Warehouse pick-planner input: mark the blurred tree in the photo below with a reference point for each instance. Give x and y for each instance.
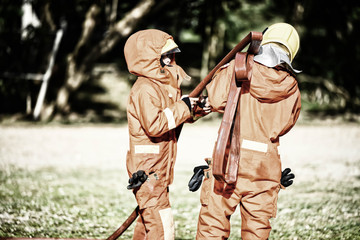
(329, 51)
(81, 60)
(90, 35)
(205, 30)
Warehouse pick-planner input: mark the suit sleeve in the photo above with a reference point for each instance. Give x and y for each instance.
(154, 118)
(281, 116)
(294, 103)
(219, 87)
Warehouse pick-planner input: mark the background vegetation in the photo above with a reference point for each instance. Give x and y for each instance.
(90, 82)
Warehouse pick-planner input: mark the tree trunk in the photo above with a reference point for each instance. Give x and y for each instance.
(213, 36)
(78, 73)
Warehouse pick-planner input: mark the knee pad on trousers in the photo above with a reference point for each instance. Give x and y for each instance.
(168, 223)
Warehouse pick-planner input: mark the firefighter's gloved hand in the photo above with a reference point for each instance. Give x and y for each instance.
(202, 107)
(286, 177)
(137, 179)
(196, 179)
(190, 101)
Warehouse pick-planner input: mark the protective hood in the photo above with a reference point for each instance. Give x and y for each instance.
(272, 56)
(143, 52)
(270, 85)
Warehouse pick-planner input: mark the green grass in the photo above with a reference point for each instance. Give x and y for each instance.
(88, 204)
(319, 210)
(52, 203)
(70, 182)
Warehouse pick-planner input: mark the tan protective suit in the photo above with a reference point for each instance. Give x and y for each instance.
(269, 107)
(154, 111)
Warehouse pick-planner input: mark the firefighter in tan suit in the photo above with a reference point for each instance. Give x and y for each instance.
(269, 107)
(155, 109)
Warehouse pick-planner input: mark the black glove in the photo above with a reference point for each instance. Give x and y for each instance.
(137, 179)
(202, 101)
(286, 177)
(196, 179)
(187, 101)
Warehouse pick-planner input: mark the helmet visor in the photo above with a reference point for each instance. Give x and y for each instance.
(170, 47)
(175, 50)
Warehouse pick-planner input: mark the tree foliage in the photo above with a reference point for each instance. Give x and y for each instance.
(205, 30)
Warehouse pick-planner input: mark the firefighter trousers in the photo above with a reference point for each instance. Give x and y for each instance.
(155, 219)
(257, 202)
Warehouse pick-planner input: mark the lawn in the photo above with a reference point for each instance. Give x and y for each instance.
(70, 182)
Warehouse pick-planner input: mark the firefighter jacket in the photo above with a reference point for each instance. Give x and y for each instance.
(154, 109)
(269, 107)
